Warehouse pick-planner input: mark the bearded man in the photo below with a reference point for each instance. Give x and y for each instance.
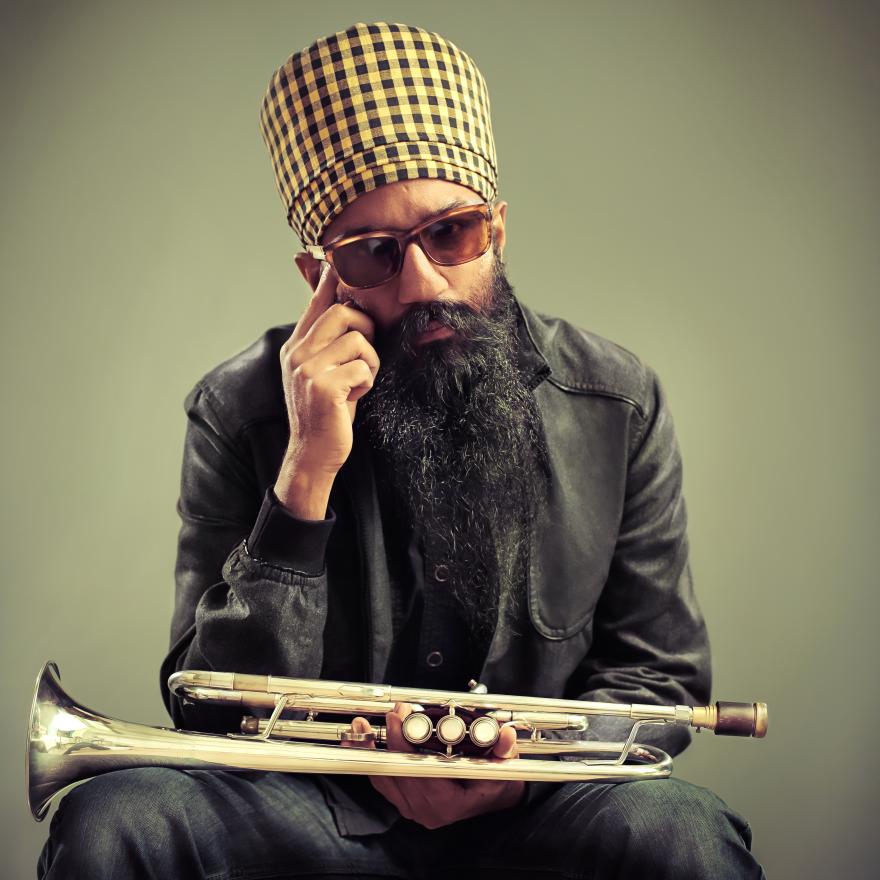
(421, 482)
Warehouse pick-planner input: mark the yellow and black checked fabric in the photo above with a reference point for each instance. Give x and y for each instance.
(368, 106)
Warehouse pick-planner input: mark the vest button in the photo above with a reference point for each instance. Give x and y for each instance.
(435, 658)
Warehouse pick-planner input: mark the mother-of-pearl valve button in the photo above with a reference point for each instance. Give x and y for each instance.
(451, 729)
(417, 728)
(484, 732)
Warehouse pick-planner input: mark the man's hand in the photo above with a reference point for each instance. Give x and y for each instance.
(434, 803)
(327, 365)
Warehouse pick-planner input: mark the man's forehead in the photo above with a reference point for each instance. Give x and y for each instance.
(399, 206)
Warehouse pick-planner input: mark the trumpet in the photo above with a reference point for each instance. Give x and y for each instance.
(455, 732)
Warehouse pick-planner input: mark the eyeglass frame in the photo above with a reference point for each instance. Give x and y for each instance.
(404, 239)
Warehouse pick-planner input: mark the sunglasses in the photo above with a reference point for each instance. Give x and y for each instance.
(372, 258)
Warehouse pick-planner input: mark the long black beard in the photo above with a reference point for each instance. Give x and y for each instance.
(460, 433)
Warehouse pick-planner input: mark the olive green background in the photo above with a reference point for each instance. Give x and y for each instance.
(697, 181)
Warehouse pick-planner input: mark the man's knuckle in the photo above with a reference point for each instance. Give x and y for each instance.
(291, 357)
(301, 374)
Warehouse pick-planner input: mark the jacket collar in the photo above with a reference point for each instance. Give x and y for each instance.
(532, 363)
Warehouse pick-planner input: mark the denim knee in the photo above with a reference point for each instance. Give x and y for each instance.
(123, 824)
(671, 828)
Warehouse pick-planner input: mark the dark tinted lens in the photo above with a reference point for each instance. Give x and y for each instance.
(367, 261)
(457, 239)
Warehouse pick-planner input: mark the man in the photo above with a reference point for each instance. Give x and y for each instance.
(421, 482)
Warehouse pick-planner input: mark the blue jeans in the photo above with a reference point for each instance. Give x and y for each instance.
(158, 822)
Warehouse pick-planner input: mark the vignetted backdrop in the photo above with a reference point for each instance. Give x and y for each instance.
(697, 182)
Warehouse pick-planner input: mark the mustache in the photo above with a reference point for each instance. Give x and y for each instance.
(460, 317)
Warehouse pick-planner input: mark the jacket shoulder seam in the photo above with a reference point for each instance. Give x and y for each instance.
(597, 389)
(214, 406)
(579, 381)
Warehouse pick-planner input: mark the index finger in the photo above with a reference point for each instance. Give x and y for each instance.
(322, 298)
(394, 728)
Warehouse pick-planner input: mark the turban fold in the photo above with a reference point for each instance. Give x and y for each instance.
(371, 105)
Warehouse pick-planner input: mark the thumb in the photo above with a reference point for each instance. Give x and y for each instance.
(506, 747)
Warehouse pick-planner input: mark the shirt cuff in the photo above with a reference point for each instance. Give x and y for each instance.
(281, 539)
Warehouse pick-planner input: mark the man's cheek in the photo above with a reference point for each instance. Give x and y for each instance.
(349, 296)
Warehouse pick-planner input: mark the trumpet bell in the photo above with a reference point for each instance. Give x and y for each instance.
(67, 743)
(53, 716)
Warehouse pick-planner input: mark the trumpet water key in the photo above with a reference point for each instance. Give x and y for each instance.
(68, 742)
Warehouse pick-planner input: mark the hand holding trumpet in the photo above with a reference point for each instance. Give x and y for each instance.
(434, 803)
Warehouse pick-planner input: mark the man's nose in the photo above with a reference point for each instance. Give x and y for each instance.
(420, 279)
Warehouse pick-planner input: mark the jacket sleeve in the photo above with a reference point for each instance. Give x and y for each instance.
(649, 638)
(251, 586)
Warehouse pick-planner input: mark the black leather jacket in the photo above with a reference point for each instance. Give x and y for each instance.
(611, 614)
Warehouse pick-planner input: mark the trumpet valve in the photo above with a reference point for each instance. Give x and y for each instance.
(417, 728)
(484, 732)
(451, 729)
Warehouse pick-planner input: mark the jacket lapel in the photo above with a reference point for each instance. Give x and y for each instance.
(360, 481)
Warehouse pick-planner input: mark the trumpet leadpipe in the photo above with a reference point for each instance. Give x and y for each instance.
(264, 691)
(725, 718)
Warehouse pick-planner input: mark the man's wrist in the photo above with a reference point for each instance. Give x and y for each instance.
(302, 494)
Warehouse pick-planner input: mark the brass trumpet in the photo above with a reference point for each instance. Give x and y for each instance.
(68, 742)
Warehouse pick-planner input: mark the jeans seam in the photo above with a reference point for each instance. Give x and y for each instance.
(270, 871)
(514, 869)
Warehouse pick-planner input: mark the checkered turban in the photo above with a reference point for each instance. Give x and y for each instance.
(368, 106)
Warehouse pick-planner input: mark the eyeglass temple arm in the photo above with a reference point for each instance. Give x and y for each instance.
(316, 251)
